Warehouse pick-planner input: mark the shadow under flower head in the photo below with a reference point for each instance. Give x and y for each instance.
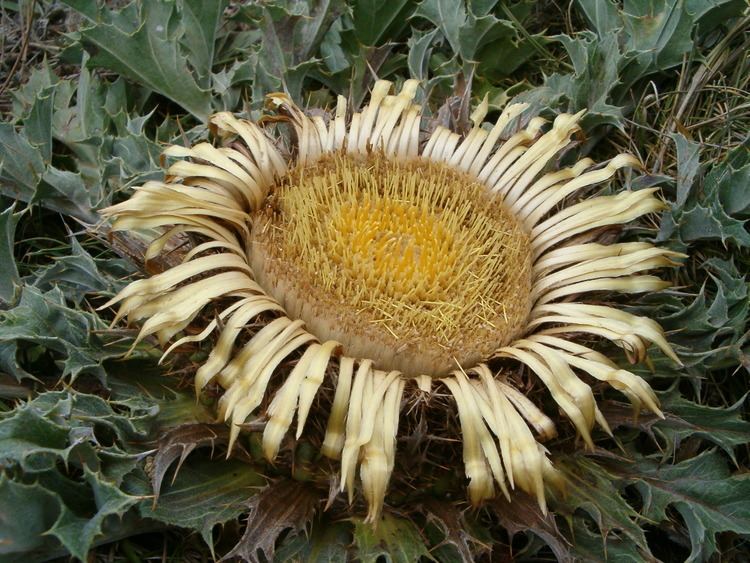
(384, 256)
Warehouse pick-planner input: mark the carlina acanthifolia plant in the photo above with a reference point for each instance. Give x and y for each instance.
(405, 262)
(384, 281)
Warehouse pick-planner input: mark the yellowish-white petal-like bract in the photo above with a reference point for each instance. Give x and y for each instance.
(378, 259)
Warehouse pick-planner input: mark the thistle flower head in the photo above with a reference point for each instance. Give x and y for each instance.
(388, 259)
(411, 264)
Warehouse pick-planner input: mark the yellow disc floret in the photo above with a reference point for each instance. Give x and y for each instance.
(402, 249)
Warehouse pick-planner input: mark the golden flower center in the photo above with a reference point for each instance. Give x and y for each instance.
(403, 250)
(411, 264)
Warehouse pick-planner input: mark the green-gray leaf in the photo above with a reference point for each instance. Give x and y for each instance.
(200, 20)
(9, 279)
(684, 419)
(326, 543)
(602, 15)
(591, 488)
(375, 19)
(44, 318)
(702, 490)
(149, 54)
(395, 539)
(76, 533)
(204, 493)
(21, 165)
(26, 513)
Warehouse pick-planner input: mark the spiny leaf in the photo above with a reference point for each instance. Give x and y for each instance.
(684, 419)
(710, 14)
(596, 64)
(78, 274)
(397, 540)
(688, 166)
(55, 420)
(32, 441)
(227, 81)
(27, 170)
(205, 492)
(446, 15)
(40, 78)
(9, 363)
(291, 38)
(420, 49)
(83, 432)
(602, 15)
(656, 36)
(731, 180)
(591, 488)
(77, 533)
(375, 19)
(454, 529)
(659, 35)
(132, 155)
(36, 525)
(332, 48)
(468, 32)
(65, 191)
(630, 44)
(200, 22)
(708, 331)
(146, 51)
(82, 118)
(308, 28)
(141, 380)
(706, 206)
(127, 421)
(21, 165)
(90, 118)
(283, 505)
(39, 122)
(592, 547)
(9, 279)
(43, 318)
(710, 221)
(523, 515)
(26, 513)
(179, 443)
(708, 497)
(326, 542)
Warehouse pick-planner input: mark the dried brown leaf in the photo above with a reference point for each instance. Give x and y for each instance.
(449, 519)
(180, 443)
(281, 506)
(455, 112)
(133, 247)
(523, 514)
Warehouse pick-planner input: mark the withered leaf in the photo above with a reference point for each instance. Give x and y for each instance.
(180, 443)
(523, 514)
(449, 519)
(281, 506)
